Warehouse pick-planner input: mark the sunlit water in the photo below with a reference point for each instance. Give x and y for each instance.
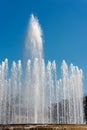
(35, 94)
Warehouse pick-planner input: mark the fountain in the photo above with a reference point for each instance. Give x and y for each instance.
(35, 95)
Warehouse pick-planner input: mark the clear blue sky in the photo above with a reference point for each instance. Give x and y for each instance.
(64, 24)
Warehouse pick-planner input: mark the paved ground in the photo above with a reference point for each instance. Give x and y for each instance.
(43, 127)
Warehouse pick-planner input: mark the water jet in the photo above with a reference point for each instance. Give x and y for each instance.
(35, 94)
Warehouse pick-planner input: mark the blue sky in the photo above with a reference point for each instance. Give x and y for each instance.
(64, 25)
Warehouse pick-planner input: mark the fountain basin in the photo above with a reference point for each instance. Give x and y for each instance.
(43, 127)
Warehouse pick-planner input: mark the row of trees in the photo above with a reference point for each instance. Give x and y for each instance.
(85, 107)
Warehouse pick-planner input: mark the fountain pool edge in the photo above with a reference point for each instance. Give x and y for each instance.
(44, 127)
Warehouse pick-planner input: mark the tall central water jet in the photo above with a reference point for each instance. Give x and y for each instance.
(36, 95)
(34, 49)
(34, 43)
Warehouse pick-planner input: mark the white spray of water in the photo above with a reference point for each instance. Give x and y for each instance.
(37, 96)
(33, 44)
